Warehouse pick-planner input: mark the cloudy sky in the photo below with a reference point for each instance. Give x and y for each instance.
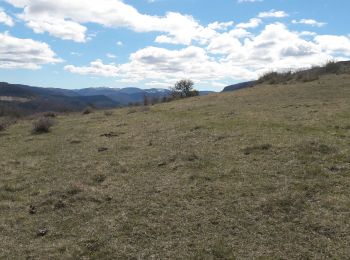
(154, 43)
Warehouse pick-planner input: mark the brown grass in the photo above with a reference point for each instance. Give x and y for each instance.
(177, 183)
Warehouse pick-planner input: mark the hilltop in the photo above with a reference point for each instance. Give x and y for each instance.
(261, 172)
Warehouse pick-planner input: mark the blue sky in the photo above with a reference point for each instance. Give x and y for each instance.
(145, 43)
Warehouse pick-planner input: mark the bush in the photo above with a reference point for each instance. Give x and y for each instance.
(49, 114)
(275, 77)
(332, 67)
(3, 126)
(145, 100)
(88, 110)
(43, 125)
(6, 122)
(108, 113)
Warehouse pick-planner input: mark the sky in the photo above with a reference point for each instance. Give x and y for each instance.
(154, 43)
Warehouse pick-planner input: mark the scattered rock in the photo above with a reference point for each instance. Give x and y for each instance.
(99, 178)
(102, 149)
(111, 134)
(161, 164)
(196, 128)
(192, 157)
(42, 232)
(32, 210)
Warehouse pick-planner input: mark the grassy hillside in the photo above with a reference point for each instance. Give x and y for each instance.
(261, 172)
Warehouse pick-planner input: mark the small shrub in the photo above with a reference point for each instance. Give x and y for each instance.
(275, 77)
(145, 100)
(43, 125)
(5, 122)
(332, 67)
(269, 77)
(88, 110)
(3, 126)
(132, 110)
(108, 113)
(50, 114)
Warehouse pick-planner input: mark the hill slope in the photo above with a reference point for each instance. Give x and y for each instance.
(260, 172)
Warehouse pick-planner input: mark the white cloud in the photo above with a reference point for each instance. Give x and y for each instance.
(309, 22)
(273, 14)
(253, 23)
(74, 53)
(220, 26)
(96, 68)
(243, 56)
(216, 53)
(111, 56)
(333, 44)
(24, 53)
(64, 19)
(5, 18)
(306, 33)
(61, 28)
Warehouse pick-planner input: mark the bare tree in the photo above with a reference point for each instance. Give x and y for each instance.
(184, 88)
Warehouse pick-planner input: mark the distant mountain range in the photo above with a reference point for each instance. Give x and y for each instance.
(238, 86)
(29, 99)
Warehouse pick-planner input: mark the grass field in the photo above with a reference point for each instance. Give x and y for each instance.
(258, 173)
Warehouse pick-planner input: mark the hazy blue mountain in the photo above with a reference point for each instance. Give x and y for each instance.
(234, 87)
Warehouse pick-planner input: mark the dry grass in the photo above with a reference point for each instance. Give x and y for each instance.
(257, 173)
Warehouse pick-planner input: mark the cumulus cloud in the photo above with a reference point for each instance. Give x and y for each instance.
(163, 67)
(220, 26)
(333, 44)
(61, 28)
(216, 53)
(5, 18)
(244, 56)
(254, 22)
(24, 53)
(64, 19)
(96, 68)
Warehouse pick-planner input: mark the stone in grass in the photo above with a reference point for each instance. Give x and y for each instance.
(102, 149)
(32, 210)
(42, 232)
(161, 164)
